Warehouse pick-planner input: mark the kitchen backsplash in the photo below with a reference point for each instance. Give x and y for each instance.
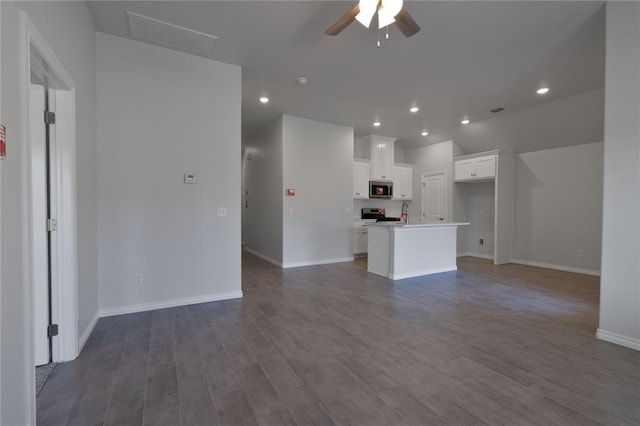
(393, 207)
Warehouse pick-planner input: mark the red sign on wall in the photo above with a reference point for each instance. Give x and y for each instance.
(291, 192)
(3, 142)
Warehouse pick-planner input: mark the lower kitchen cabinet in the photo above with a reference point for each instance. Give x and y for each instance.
(360, 241)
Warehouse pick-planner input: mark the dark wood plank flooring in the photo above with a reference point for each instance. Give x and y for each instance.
(333, 344)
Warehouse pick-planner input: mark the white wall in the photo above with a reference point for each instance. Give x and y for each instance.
(398, 153)
(558, 205)
(480, 199)
(68, 29)
(318, 163)
(620, 283)
(163, 114)
(262, 219)
(362, 148)
(460, 212)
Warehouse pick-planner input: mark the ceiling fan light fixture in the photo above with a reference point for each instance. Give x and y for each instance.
(368, 8)
(385, 18)
(388, 11)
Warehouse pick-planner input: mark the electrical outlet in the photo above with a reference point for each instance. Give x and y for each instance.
(580, 253)
(137, 279)
(481, 241)
(221, 211)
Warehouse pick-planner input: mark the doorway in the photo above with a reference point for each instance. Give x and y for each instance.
(50, 225)
(434, 197)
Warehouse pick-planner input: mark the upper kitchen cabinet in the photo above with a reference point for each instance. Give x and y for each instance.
(473, 167)
(402, 183)
(361, 172)
(381, 157)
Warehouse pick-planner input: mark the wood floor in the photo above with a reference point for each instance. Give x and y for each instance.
(332, 344)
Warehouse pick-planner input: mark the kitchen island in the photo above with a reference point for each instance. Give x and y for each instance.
(398, 251)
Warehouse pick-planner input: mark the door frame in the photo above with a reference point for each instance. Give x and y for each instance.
(1, 210)
(446, 194)
(64, 273)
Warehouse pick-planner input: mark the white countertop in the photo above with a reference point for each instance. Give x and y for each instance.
(418, 225)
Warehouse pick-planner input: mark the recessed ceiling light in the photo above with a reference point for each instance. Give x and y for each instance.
(264, 100)
(542, 90)
(376, 124)
(302, 80)
(414, 109)
(425, 133)
(465, 121)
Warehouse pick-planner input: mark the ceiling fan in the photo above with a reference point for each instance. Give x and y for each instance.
(389, 11)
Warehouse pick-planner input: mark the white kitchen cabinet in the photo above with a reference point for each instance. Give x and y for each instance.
(361, 172)
(382, 157)
(402, 183)
(360, 241)
(475, 168)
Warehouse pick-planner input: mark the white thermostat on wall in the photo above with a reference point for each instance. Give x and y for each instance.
(189, 178)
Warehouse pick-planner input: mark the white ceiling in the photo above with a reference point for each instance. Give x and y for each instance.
(469, 58)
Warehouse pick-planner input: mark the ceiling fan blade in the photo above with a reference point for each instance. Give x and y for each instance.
(343, 22)
(406, 24)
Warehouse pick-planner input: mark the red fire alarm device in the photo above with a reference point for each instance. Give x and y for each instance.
(291, 192)
(3, 142)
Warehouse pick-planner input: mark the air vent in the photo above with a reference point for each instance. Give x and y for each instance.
(497, 110)
(171, 36)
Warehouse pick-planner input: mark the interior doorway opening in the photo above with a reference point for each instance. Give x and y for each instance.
(50, 225)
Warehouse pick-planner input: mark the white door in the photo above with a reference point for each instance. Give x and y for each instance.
(434, 197)
(39, 202)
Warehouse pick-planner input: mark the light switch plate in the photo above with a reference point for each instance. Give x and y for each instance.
(189, 178)
(221, 211)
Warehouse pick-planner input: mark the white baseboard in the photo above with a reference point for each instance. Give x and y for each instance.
(263, 257)
(481, 256)
(423, 272)
(87, 332)
(556, 267)
(618, 339)
(318, 262)
(130, 309)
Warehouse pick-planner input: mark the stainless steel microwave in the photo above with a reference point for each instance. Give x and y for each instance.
(379, 189)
